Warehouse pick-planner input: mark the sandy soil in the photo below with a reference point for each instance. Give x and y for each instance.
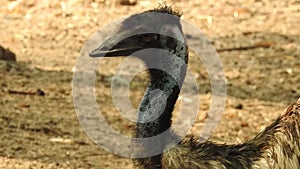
(42, 131)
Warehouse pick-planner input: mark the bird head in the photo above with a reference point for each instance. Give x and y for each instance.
(158, 28)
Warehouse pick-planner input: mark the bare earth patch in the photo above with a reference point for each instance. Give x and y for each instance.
(258, 43)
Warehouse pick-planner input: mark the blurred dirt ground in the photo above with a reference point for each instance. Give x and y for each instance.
(258, 42)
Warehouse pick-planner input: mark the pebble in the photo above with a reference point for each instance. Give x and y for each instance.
(237, 106)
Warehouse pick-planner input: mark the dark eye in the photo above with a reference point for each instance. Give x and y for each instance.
(147, 37)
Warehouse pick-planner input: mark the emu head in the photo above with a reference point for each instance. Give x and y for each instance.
(159, 28)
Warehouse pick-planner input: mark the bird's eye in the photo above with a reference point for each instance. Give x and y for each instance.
(147, 37)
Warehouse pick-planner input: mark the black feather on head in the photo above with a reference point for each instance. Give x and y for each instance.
(166, 9)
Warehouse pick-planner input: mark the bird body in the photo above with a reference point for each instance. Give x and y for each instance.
(276, 147)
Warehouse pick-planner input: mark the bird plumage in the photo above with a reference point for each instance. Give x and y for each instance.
(276, 147)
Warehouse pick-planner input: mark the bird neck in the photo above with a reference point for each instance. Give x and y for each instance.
(167, 72)
(166, 79)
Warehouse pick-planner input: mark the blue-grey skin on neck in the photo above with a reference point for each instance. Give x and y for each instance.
(167, 70)
(156, 107)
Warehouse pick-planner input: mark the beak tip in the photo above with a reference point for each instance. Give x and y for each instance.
(92, 55)
(96, 53)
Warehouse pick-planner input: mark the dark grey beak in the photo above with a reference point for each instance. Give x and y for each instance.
(116, 46)
(101, 51)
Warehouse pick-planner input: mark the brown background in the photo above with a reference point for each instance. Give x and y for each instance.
(47, 36)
